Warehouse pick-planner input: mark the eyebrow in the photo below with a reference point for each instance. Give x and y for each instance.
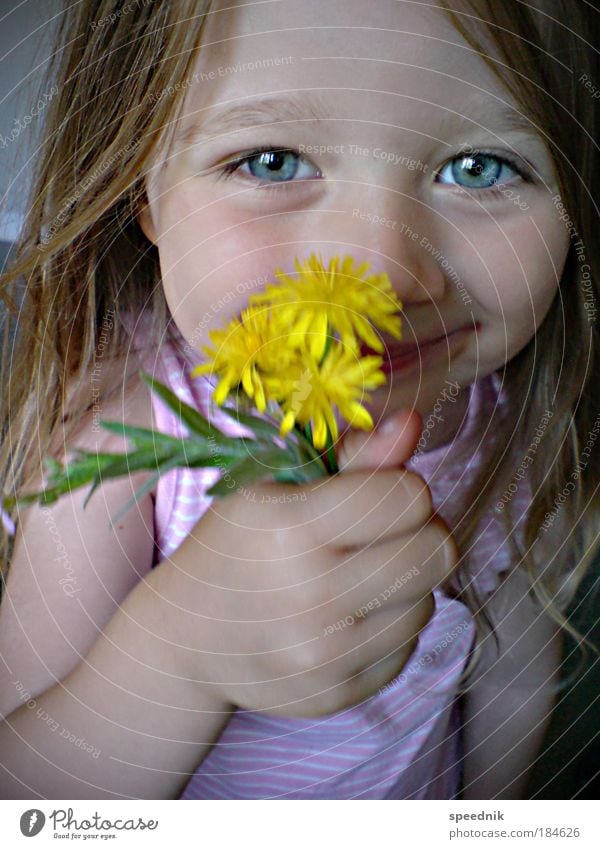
(266, 110)
(492, 115)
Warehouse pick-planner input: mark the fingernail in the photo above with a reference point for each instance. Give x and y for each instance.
(388, 426)
(392, 424)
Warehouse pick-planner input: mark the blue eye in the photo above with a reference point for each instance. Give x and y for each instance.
(274, 166)
(477, 171)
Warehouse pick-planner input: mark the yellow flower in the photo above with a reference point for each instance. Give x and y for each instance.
(309, 390)
(341, 298)
(243, 352)
(297, 346)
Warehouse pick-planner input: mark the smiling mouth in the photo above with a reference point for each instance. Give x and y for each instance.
(405, 357)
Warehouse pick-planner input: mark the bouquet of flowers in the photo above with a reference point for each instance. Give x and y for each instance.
(302, 356)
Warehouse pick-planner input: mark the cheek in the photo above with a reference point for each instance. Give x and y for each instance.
(212, 261)
(515, 278)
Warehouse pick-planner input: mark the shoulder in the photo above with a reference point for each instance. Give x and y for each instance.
(117, 395)
(112, 394)
(524, 652)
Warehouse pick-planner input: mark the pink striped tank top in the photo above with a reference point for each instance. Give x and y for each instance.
(404, 741)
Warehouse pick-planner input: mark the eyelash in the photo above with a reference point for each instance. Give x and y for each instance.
(228, 169)
(498, 189)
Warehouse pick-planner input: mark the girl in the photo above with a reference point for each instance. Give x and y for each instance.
(316, 641)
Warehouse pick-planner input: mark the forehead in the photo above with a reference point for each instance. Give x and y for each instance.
(349, 55)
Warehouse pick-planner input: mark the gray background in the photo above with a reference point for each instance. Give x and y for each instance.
(26, 30)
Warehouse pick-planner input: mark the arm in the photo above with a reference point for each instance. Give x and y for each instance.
(131, 699)
(89, 647)
(241, 614)
(507, 710)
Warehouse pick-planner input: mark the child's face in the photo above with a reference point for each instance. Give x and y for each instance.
(381, 134)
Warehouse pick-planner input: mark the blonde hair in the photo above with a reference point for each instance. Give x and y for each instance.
(83, 256)
(543, 53)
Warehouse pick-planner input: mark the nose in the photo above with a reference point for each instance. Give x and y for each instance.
(389, 228)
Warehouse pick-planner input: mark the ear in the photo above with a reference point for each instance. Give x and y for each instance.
(144, 218)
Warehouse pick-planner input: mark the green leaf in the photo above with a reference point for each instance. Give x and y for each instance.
(329, 454)
(90, 468)
(257, 425)
(24, 501)
(53, 466)
(194, 420)
(140, 492)
(264, 464)
(79, 472)
(243, 459)
(140, 435)
(302, 474)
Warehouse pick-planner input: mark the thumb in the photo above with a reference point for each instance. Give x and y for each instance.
(391, 444)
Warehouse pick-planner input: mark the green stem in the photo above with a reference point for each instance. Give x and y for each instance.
(330, 459)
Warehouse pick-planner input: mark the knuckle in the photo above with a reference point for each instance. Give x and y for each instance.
(446, 548)
(321, 656)
(419, 496)
(452, 555)
(316, 583)
(309, 656)
(316, 522)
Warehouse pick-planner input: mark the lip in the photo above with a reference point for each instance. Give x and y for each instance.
(405, 357)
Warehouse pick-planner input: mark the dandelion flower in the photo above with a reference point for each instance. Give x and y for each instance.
(296, 348)
(310, 391)
(342, 298)
(243, 352)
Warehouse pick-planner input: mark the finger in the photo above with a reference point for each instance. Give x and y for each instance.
(353, 510)
(347, 666)
(395, 571)
(389, 445)
(366, 657)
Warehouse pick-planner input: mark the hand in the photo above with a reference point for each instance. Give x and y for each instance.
(303, 600)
